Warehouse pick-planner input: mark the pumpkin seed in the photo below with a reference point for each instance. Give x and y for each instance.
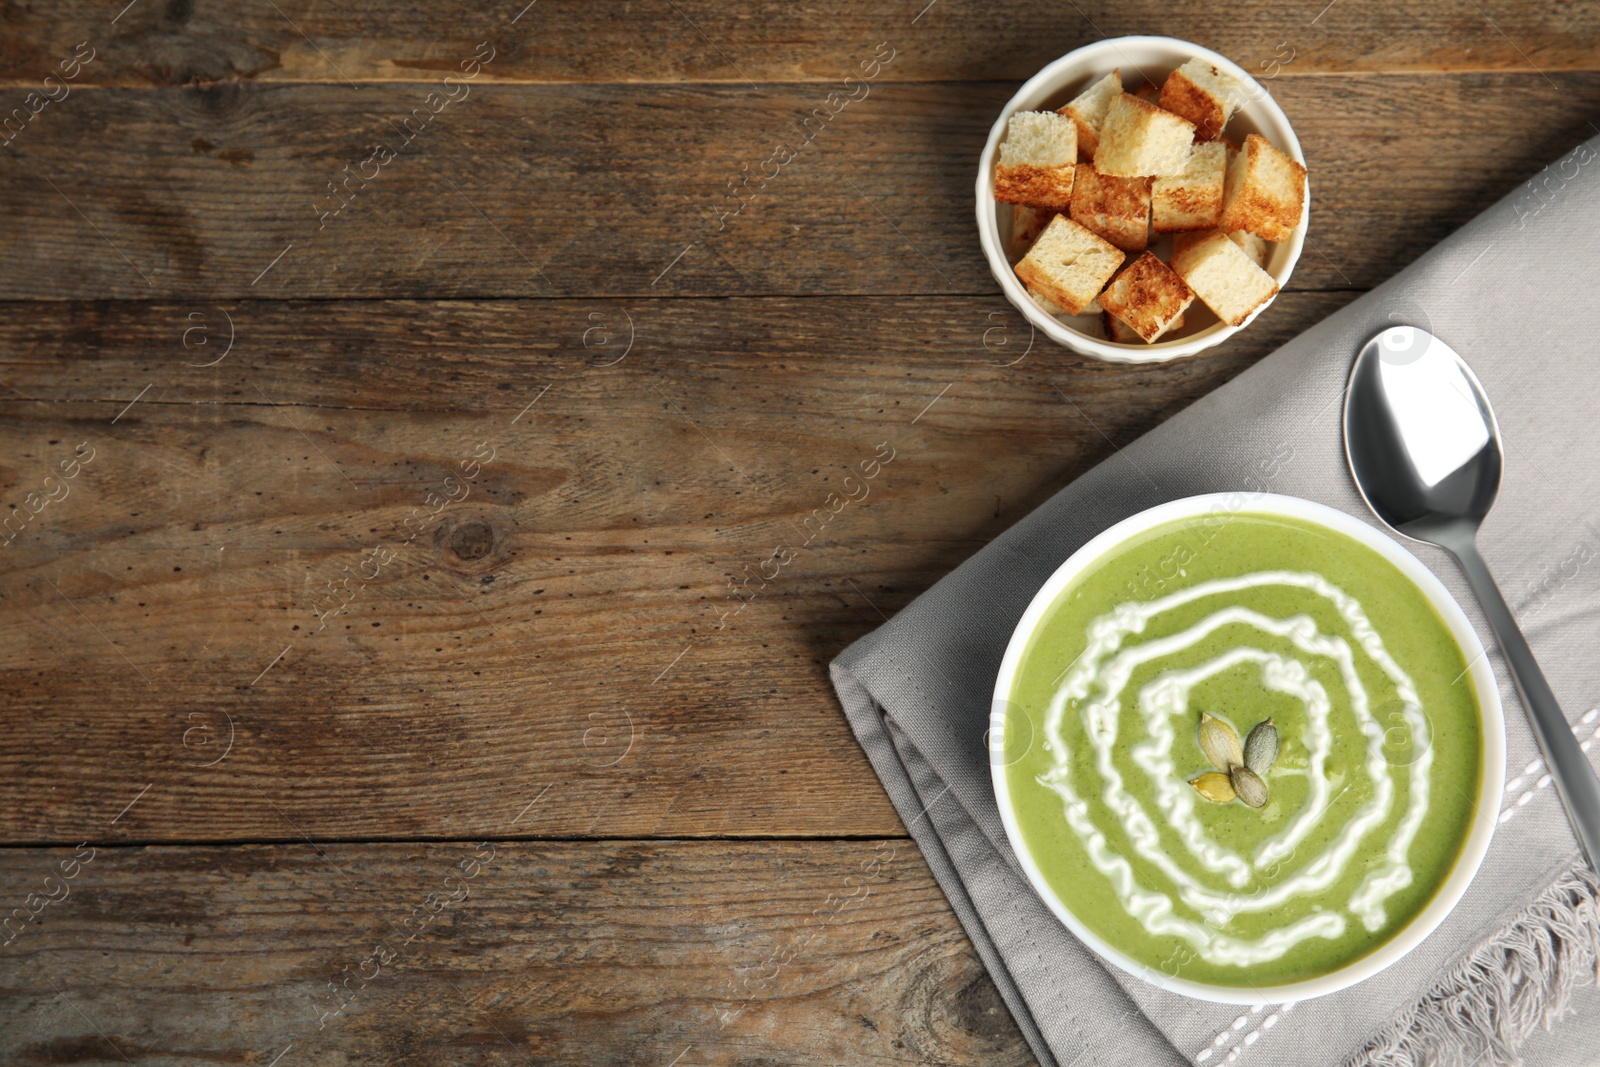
(1214, 786)
(1220, 742)
(1261, 747)
(1248, 785)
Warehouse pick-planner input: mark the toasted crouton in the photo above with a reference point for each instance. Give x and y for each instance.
(1147, 297)
(1139, 139)
(1255, 247)
(1117, 209)
(1265, 191)
(1224, 277)
(1189, 239)
(1204, 95)
(1037, 160)
(1191, 200)
(1087, 111)
(1048, 306)
(1120, 332)
(1150, 93)
(1069, 265)
(1027, 223)
(1258, 250)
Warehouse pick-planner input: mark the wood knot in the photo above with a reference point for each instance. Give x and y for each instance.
(473, 545)
(980, 1011)
(953, 1013)
(472, 540)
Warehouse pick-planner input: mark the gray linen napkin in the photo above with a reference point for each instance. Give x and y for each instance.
(1517, 293)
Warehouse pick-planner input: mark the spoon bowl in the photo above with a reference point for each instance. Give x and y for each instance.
(1420, 434)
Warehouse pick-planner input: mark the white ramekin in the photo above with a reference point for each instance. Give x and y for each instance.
(1139, 58)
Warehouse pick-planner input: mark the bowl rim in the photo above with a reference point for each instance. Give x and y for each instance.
(1491, 779)
(1046, 81)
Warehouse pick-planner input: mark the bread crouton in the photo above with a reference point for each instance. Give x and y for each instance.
(1027, 223)
(1265, 191)
(1117, 209)
(1224, 277)
(1121, 333)
(1087, 111)
(1050, 307)
(1147, 297)
(1037, 160)
(1150, 93)
(1069, 265)
(1191, 200)
(1258, 250)
(1189, 239)
(1204, 95)
(1255, 247)
(1139, 139)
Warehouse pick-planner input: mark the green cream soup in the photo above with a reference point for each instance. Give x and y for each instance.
(1244, 618)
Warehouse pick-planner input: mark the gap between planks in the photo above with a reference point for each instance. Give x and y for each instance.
(739, 83)
(175, 299)
(508, 839)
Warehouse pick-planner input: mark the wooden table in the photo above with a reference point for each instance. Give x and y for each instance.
(403, 404)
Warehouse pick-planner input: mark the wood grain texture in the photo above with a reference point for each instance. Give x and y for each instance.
(575, 190)
(558, 953)
(569, 625)
(422, 508)
(181, 41)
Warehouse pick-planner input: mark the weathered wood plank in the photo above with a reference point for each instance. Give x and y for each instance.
(522, 191)
(179, 41)
(556, 953)
(171, 594)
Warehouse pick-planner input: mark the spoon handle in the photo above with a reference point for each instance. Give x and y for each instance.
(1567, 763)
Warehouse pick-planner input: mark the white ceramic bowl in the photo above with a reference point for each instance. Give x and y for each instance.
(1139, 58)
(1490, 784)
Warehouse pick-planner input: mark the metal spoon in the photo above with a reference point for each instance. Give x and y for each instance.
(1425, 451)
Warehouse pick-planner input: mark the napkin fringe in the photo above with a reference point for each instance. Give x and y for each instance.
(1520, 978)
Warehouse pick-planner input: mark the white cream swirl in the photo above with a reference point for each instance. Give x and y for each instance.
(1226, 883)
